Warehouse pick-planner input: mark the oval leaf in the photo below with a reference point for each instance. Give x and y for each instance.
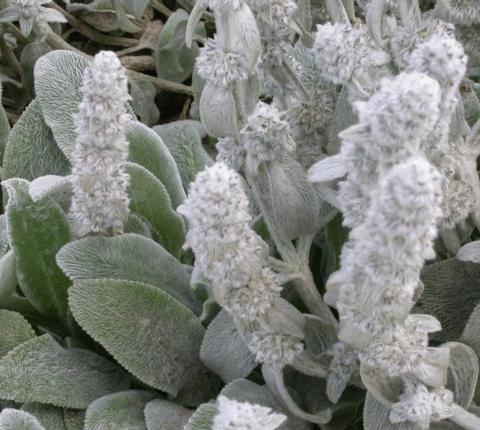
(50, 417)
(149, 198)
(164, 415)
(58, 78)
(14, 330)
(202, 419)
(223, 350)
(147, 331)
(31, 150)
(147, 149)
(40, 370)
(130, 257)
(37, 231)
(12, 419)
(119, 411)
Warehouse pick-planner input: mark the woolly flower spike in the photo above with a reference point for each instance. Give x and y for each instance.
(380, 269)
(442, 58)
(227, 250)
(220, 67)
(420, 406)
(267, 136)
(233, 415)
(100, 197)
(255, 299)
(401, 115)
(464, 12)
(28, 13)
(230, 152)
(404, 350)
(335, 51)
(275, 348)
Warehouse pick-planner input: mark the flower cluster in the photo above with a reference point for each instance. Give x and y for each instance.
(30, 12)
(234, 258)
(100, 196)
(421, 406)
(267, 136)
(234, 415)
(380, 268)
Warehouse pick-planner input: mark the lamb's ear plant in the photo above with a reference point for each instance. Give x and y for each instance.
(298, 248)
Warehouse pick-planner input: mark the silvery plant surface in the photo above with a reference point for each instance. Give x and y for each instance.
(297, 249)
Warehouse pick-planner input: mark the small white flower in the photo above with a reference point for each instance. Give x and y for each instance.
(234, 415)
(335, 51)
(403, 350)
(255, 299)
(442, 58)
(420, 406)
(400, 116)
(30, 12)
(267, 136)
(380, 270)
(275, 348)
(220, 67)
(230, 152)
(100, 195)
(227, 250)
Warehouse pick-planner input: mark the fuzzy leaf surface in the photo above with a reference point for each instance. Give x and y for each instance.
(147, 149)
(148, 332)
(164, 415)
(223, 350)
(150, 199)
(40, 370)
(130, 257)
(37, 231)
(119, 411)
(31, 150)
(58, 78)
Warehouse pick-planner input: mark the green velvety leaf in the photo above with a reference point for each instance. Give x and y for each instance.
(462, 373)
(376, 416)
(202, 419)
(119, 411)
(37, 231)
(452, 290)
(130, 257)
(471, 333)
(147, 149)
(173, 60)
(3, 235)
(14, 330)
(58, 78)
(4, 128)
(29, 56)
(223, 350)
(8, 276)
(135, 7)
(143, 101)
(149, 198)
(13, 419)
(185, 144)
(40, 370)
(138, 225)
(73, 419)
(31, 150)
(148, 332)
(50, 417)
(164, 415)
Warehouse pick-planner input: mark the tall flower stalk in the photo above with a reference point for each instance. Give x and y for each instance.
(100, 185)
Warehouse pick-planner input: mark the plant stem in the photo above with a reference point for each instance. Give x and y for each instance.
(464, 419)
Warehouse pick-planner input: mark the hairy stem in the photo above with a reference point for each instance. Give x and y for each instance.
(464, 419)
